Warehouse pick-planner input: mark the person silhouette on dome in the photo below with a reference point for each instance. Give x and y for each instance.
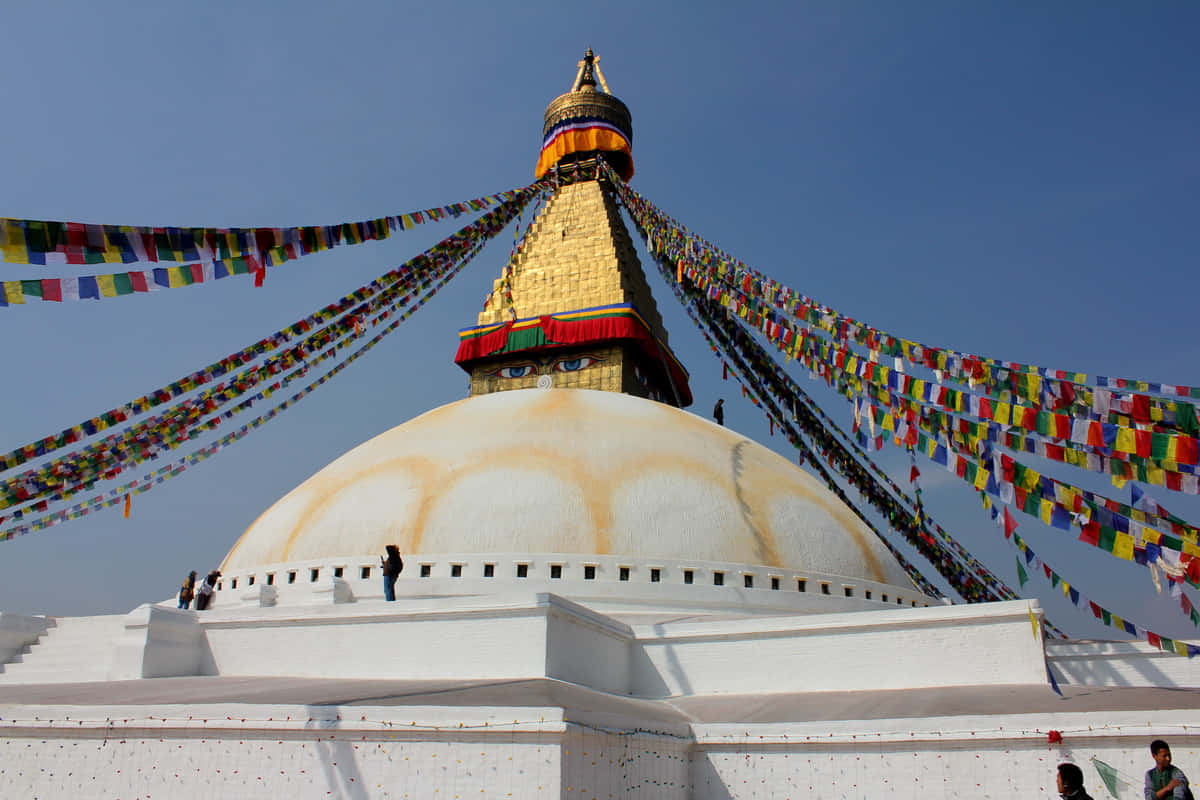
(719, 411)
(392, 566)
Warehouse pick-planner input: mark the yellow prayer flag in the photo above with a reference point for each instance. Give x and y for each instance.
(1119, 481)
(981, 478)
(1033, 621)
(107, 288)
(1118, 622)
(1031, 479)
(1001, 413)
(15, 253)
(1066, 589)
(12, 293)
(1045, 510)
(1126, 441)
(1123, 546)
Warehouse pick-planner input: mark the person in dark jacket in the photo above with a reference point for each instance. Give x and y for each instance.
(392, 565)
(719, 411)
(207, 587)
(1070, 782)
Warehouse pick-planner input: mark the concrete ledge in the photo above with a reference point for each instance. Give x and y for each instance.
(158, 643)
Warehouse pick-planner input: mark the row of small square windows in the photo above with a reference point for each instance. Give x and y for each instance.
(589, 574)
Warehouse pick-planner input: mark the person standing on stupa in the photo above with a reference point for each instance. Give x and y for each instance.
(719, 411)
(392, 566)
(187, 590)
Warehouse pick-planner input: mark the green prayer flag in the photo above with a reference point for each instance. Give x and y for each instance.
(1107, 774)
(1108, 538)
(31, 288)
(1185, 419)
(122, 283)
(1022, 575)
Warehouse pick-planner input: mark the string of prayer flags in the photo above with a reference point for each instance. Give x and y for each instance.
(670, 247)
(97, 287)
(465, 244)
(444, 258)
(736, 349)
(1058, 389)
(1079, 600)
(145, 439)
(41, 242)
(450, 247)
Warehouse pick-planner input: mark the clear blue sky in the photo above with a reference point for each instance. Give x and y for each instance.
(1013, 179)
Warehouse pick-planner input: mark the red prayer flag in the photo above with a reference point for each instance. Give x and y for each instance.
(52, 289)
(1140, 408)
(1010, 524)
(1186, 450)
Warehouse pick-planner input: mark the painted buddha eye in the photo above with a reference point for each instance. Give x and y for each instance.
(518, 371)
(575, 364)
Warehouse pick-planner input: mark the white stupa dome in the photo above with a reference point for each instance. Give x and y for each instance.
(567, 471)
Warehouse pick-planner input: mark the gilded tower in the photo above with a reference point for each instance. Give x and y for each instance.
(572, 308)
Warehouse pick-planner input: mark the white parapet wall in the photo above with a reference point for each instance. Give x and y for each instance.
(1133, 664)
(524, 635)
(299, 752)
(986, 644)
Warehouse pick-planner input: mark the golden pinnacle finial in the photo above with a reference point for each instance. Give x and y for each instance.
(588, 73)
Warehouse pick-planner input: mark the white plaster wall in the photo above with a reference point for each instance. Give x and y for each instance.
(158, 643)
(611, 764)
(587, 648)
(292, 583)
(141, 756)
(422, 644)
(921, 770)
(297, 752)
(928, 647)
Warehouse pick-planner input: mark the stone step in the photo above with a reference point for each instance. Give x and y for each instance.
(74, 649)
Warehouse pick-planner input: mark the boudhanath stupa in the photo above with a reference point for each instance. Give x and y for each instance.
(604, 596)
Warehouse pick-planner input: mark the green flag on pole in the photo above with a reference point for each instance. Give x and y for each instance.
(1022, 575)
(1107, 774)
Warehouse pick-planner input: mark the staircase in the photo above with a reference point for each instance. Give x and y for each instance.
(73, 650)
